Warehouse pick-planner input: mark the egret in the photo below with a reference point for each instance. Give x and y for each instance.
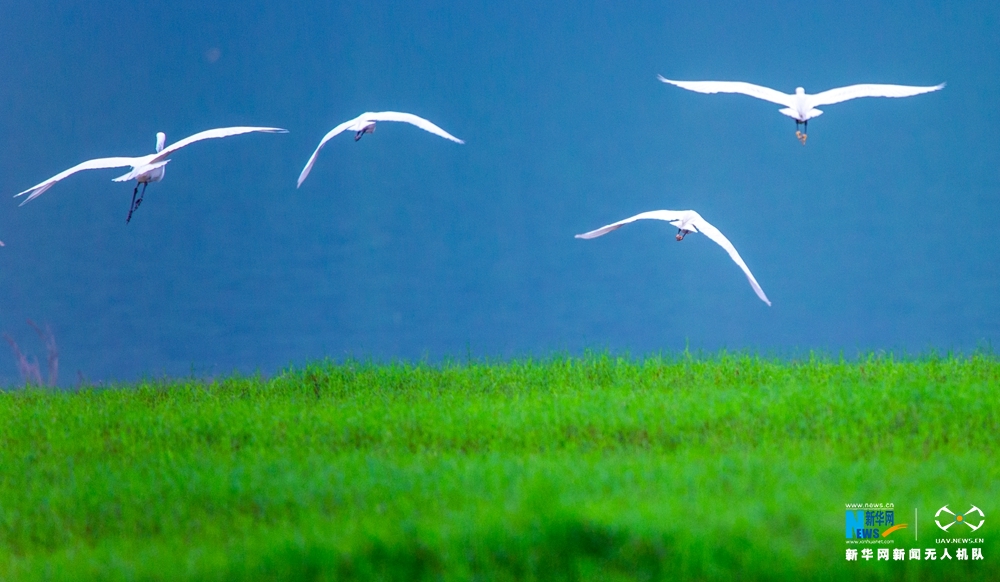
(145, 169)
(686, 221)
(802, 106)
(365, 123)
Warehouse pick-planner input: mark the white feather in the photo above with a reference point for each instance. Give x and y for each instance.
(361, 121)
(691, 221)
(765, 93)
(855, 91)
(141, 164)
(802, 106)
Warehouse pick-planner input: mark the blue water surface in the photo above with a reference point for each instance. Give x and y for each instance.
(879, 234)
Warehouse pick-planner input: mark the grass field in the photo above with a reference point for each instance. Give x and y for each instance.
(601, 468)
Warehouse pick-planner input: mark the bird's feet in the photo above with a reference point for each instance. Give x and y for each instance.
(802, 137)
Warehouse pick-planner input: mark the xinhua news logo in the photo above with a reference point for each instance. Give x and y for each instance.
(874, 522)
(867, 525)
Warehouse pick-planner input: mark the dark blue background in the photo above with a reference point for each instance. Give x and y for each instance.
(880, 234)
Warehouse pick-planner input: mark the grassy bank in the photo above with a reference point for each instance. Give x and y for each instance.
(596, 468)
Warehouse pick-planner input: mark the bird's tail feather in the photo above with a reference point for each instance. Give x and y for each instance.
(136, 172)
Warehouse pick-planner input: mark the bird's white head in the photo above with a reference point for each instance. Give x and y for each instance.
(161, 141)
(800, 91)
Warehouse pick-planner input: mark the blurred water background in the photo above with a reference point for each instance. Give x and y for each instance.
(879, 234)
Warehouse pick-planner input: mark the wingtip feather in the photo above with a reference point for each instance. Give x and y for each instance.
(33, 195)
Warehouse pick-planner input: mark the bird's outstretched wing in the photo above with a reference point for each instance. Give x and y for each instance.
(330, 135)
(98, 164)
(374, 116)
(765, 93)
(413, 119)
(855, 91)
(717, 236)
(163, 154)
(210, 134)
(667, 215)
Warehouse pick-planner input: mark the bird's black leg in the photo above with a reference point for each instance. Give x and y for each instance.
(136, 203)
(358, 134)
(131, 207)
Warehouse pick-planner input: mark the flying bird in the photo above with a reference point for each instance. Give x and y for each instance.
(365, 123)
(686, 221)
(801, 106)
(145, 169)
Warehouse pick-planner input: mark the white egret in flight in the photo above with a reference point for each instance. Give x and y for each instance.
(686, 221)
(145, 169)
(365, 123)
(801, 106)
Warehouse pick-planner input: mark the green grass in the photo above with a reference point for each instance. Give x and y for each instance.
(603, 468)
